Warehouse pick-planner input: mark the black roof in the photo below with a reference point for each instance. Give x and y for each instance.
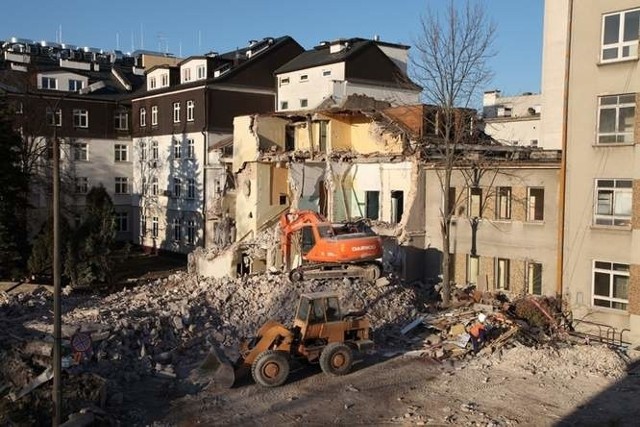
(320, 55)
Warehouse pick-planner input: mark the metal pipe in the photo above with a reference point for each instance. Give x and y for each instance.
(57, 312)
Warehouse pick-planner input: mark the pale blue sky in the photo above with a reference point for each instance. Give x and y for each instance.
(198, 26)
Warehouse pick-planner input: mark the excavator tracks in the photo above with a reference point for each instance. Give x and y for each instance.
(370, 271)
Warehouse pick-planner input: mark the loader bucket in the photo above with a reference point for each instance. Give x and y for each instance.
(215, 371)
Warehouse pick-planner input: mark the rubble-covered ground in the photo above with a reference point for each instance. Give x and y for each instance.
(146, 339)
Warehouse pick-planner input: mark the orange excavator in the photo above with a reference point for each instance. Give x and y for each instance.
(328, 250)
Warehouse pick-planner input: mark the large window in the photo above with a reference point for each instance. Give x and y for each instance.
(190, 109)
(54, 118)
(154, 186)
(186, 74)
(154, 226)
(613, 202)
(503, 203)
(165, 80)
(502, 274)
(176, 112)
(535, 204)
(616, 117)
(121, 120)
(122, 185)
(122, 221)
(620, 35)
(121, 153)
(152, 83)
(154, 115)
(534, 278)
(610, 285)
(143, 225)
(81, 118)
(80, 151)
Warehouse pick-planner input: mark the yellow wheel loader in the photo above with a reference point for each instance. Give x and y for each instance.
(321, 333)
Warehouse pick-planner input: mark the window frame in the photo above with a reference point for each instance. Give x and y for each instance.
(154, 227)
(191, 148)
(601, 219)
(612, 273)
(284, 105)
(532, 205)
(176, 232)
(621, 137)
(177, 149)
(537, 279)
(504, 196)
(154, 115)
(176, 112)
(304, 103)
(80, 118)
(121, 120)
(154, 150)
(54, 118)
(143, 117)
(120, 219)
(120, 153)
(191, 188)
(190, 110)
(201, 72)
(176, 188)
(121, 185)
(80, 152)
(73, 85)
(81, 185)
(154, 186)
(191, 232)
(49, 80)
(620, 43)
(505, 276)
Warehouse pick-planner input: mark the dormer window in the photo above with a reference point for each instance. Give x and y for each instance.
(165, 80)
(186, 73)
(152, 83)
(75, 85)
(49, 83)
(326, 73)
(201, 72)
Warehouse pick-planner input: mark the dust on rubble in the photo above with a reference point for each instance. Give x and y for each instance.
(145, 339)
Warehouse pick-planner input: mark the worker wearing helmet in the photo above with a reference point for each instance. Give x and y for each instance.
(478, 332)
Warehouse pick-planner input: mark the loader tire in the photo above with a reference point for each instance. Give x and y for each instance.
(295, 275)
(336, 359)
(270, 369)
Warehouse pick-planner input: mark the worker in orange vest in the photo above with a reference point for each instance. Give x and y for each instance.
(478, 332)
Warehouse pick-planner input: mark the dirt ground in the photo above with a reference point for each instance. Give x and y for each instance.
(410, 390)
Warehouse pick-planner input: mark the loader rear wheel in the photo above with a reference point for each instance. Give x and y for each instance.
(373, 272)
(295, 275)
(270, 369)
(336, 359)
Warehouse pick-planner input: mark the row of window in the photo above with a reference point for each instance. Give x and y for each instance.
(176, 113)
(610, 283)
(149, 188)
(284, 105)
(176, 229)
(302, 78)
(52, 83)
(81, 118)
(121, 151)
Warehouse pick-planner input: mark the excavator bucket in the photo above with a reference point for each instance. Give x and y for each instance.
(215, 371)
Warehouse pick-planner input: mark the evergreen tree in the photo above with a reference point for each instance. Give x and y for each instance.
(13, 200)
(89, 251)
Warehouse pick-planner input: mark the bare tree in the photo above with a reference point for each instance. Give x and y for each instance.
(451, 65)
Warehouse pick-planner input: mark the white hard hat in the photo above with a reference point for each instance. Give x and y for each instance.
(482, 317)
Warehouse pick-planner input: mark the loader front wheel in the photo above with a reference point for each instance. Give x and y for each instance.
(336, 359)
(295, 275)
(270, 369)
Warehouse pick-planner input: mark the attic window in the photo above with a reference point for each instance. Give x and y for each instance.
(304, 77)
(284, 81)
(326, 73)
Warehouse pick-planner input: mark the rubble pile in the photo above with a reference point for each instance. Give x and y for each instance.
(162, 327)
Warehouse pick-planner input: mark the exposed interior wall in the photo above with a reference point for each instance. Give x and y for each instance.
(304, 181)
(245, 141)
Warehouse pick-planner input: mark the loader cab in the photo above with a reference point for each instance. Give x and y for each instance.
(316, 313)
